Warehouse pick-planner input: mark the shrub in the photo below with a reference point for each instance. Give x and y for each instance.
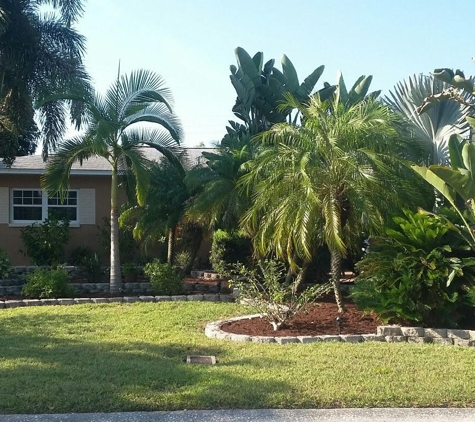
(266, 291)
(86, 258)
(420, 273)
(47, 284)
(45, 243)
(229, 248)
(6, 267)
(163, 278)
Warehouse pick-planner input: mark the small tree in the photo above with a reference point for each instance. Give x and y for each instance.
(266, 291)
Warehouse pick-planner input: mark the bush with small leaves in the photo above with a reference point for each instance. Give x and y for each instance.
(164, 278)
(45, 243)
(266, 291)
(47, 284)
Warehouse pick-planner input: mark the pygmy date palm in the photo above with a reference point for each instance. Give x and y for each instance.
(113, 131)
(324, 182)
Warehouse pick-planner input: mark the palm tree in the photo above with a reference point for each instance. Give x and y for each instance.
(113, 131)
(434, 127)
(325, 182)
(39, 54)
(218, 203)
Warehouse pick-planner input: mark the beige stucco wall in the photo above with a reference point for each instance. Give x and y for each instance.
(85, 235)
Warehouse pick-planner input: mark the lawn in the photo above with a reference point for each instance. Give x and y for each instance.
(125, 357)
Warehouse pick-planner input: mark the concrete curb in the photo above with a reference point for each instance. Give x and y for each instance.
(384, 333)
(5, 304)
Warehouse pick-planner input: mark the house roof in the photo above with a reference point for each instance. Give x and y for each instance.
(97, 166)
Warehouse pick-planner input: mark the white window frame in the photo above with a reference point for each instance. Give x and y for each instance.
(44, 207)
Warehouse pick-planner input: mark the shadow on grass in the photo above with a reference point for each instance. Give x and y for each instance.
(41, 372)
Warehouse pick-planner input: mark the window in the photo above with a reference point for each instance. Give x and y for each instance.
(27, 205)
(65, 209)
(30, 205)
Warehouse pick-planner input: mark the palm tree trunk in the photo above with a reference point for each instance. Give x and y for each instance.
(197, 237)
(336, 263)
(115, 276)
(171, 245)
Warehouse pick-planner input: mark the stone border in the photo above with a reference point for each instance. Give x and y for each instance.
(384, 333)
(119, 299)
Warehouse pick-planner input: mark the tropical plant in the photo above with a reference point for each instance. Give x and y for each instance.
(434, 127)
(228, 249)
(47, 284)
(419, 272)
(265, 290)
(165, 207)
(456, 183)
(39, 54)
(45, 242)
(260, 88)
(218, 203)
(460, 89)
(357, 93)
(326, 181)
(113, 131)
(85, 257)
(164, 279)
(6, 267)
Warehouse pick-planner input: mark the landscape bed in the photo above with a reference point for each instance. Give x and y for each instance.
(126, 357)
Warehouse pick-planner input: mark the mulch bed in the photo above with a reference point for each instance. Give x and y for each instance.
(316, 319)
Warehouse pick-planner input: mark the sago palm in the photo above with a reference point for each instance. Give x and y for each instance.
(113, 131)
(324, 182)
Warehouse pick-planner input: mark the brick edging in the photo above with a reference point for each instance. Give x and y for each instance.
(120, 299)
(384, 333)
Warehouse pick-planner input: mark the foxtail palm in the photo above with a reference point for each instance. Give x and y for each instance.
(39, 53)
(113, 131)
(324, 182)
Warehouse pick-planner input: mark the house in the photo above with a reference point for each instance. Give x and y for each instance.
(23, 202)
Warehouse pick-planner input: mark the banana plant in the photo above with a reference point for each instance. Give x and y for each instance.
(260, 89)
(357, 93)
(456, 181)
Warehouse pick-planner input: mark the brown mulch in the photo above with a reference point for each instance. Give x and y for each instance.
(316, 319)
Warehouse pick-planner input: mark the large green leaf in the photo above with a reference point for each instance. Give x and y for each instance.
(458, 181)
(468, 156)
(290, 74)
(247, 65)
(309, 83)
(437, 182)
(455, 151)
(341, 91)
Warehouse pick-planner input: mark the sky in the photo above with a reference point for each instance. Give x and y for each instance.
(191, 43)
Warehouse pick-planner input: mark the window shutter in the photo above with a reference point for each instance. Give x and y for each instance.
(4, 205)
(87, 206)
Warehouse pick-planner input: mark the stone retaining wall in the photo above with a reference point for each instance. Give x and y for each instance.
(386, 333)
(81, 282)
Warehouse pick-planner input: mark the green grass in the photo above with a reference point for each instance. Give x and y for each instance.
(104, 358)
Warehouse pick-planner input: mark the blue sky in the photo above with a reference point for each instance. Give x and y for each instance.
(191, 44)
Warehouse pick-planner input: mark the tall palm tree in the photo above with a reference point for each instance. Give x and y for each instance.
(113, 131)
(39, 54)
(325, 182)
(434, 127)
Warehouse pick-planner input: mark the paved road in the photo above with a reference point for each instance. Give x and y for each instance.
(333, 415)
